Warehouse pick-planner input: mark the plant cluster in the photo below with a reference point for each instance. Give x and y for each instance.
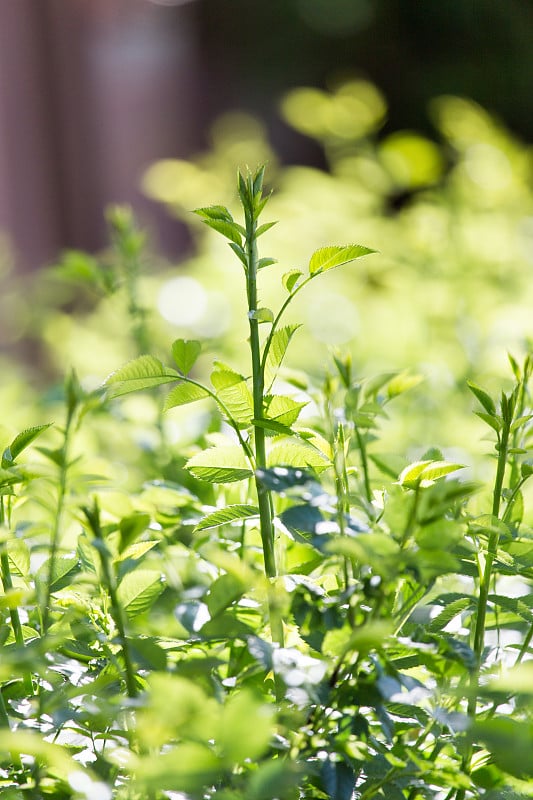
(281, 611)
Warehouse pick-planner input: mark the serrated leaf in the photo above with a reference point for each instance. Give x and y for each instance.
(184, 393)
(292, 453)
(141, 373)
(224, 464)
(513, 604)
(214, 212)
(19, 557)
(282, 409)
(20, 442)
(450, 612)
(290, 279)
(64, 568)
(329, 257)
(233, 391)
(223, 516)
(138, 590)
(485, 399)
(185, 352)
(276, 353)
(136, 550)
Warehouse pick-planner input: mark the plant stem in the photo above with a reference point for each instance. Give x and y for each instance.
(267, 531)
(93, 517)
(485, 577)
(61, 495)
(7, 582)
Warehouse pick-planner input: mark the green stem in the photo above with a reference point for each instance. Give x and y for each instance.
(267, 530)
(93, 517)
(7, 582)
(364, 464)
(484, 584)
(56, 532)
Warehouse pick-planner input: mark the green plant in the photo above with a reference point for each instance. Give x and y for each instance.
(288, 610)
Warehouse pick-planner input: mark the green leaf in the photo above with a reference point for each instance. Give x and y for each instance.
(272, 427)
(240, 253)
(224, 591)
(141, 373)
(264, 228)
(220, 219)
(510, 742)
(214, 212)
(450, 612)
(185, 352)
(245, 730)
(184, 393)
(261, 315)
(136, 550)
(20, 442)
(328, 257)
(485, 399)
(233, 391)
(65, 567)
(138, 590)
(292, 453)
(494, 422)
(282, 409)
(266, 262)
(131, 527)
(290, 279)
(279, 343)
(19, 557)
(402, 383)
(224, 464)
(423, 473)
(225, 515)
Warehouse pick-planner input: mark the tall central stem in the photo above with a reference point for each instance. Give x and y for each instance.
(263, 500)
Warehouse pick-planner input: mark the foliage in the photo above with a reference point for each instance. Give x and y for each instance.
(271, 603)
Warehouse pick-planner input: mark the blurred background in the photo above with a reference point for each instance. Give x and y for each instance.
(93, 91)
(402, 125)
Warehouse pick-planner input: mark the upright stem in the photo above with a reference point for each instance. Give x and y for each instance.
(265, 516)
(93, 517)
(56, 531)
(485, 578)
(5, 571)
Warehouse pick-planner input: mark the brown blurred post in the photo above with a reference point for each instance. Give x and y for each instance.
(91, 92)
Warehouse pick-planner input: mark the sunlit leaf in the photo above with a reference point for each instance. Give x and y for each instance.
(223, 464)
(138, 590)
(225, 515)
(328, 257)
(185, 352)
(424, 472)
(141, 373)
(184, 393)
(485, 399)
(20, 442)
(224, 591)
(276, 353)
(290, 279)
